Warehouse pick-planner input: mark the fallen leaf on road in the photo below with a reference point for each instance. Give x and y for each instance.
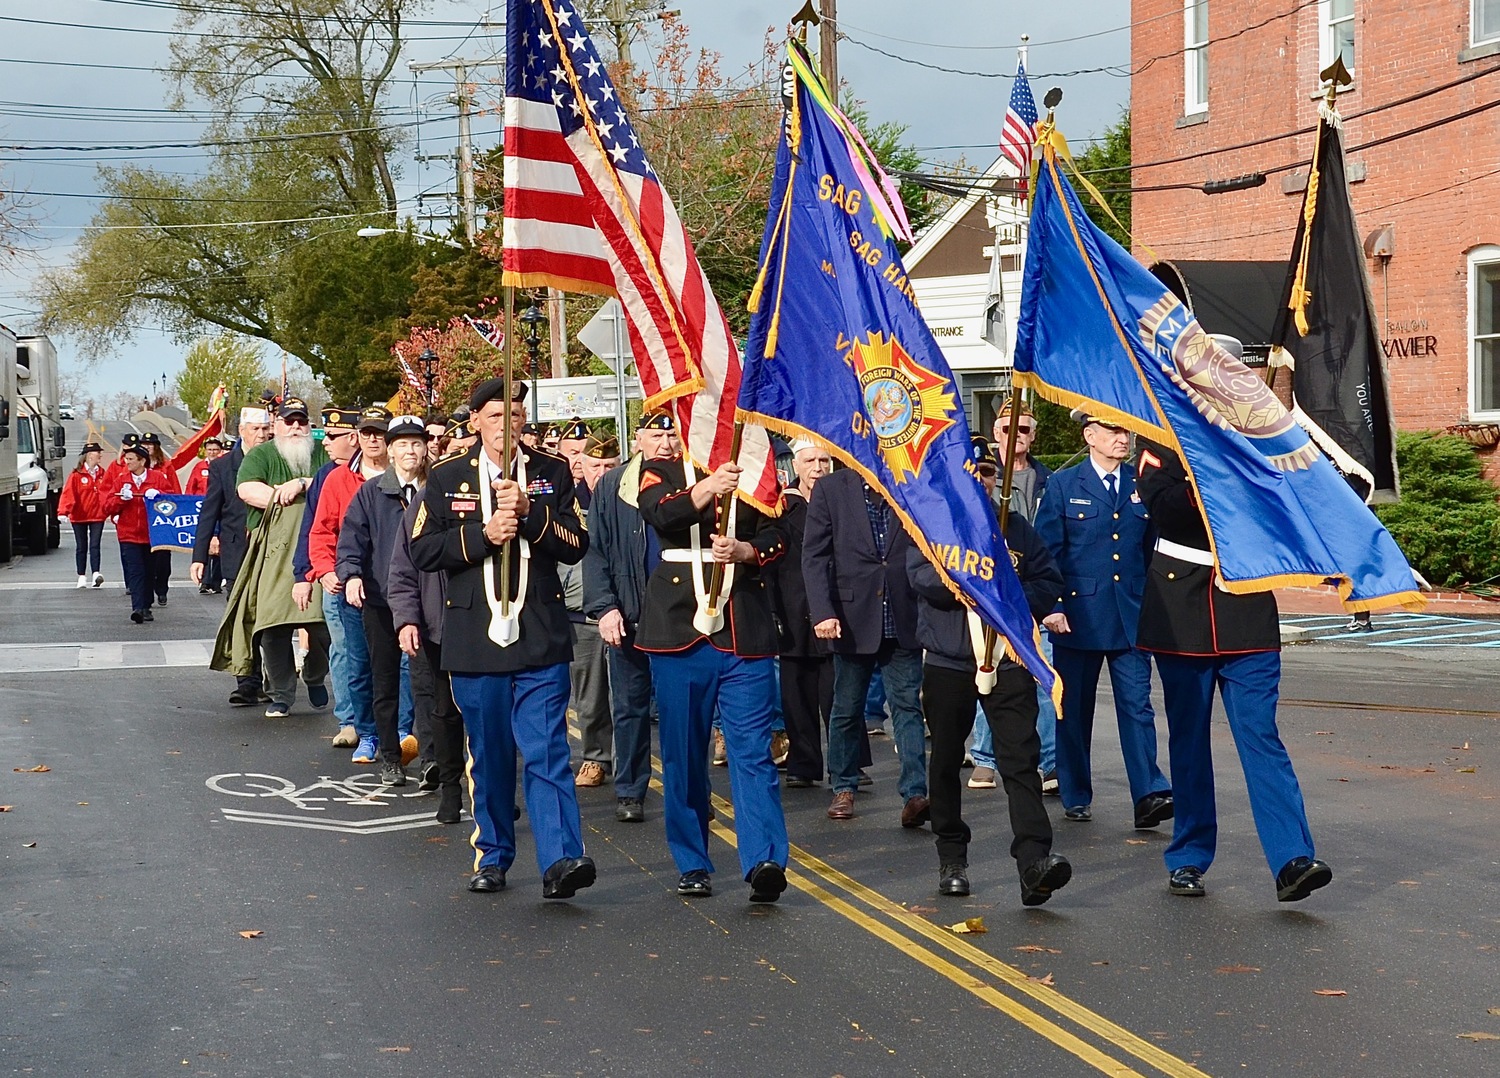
(37, 770)
(1103, 963)
(1495, 1010)
(397, 1048)
(1047, 980)
(1411, 883)
(174, 752)
(1341, 780)
(1036, 948)
(1238, 969)
(252, 934)
(1466, 770)
(29, 845)
(1479, 1036)
(6, 808)
(1135, 842)
(83, 804)
(973, 926)
(1323, 733)
(921, 909)
(1329, 992)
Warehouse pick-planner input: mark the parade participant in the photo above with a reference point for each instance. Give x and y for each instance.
(348, 658)
(116, 470)
(370, 528)
(860, 600)
(622, 554)
(531, 435)
(161, 560)
(1097, 528)
(513, 696)
(729, 672)
(806, 661)
(197, 484)
(437, 436)
(460, 435)
(127, 504)
(1202, 635)
(222, 532)
(82, 505)
(368, 461)
(589, 671)
(551, 435)
(417, 601)
(572, 436)
(273, 481)
(949, 693)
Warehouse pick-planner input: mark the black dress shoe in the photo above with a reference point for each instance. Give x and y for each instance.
(695, 884)
(137, 617)
(630, 810)
(953, 880)
(797, 782)
(567, 877)
(487, 879)
(450, 804)
(1078, 814)
(767, 881)
(1187, 882)
(1300, 877)
(146, 615)
(1152, 810)
(1043, 876)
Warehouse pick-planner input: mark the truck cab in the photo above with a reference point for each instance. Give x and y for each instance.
(41, 444)
(10, 487)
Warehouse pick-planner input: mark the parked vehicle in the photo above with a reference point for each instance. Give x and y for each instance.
(10, 484)
(41, 443)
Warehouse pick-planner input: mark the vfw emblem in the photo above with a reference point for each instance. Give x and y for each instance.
(907, 405)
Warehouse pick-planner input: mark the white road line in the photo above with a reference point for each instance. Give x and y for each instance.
(91, 656)
(370, 827)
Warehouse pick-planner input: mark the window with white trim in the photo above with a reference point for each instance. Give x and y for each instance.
(1336, 32)
(1195, 56)
(1484, 329)
(1484, 22)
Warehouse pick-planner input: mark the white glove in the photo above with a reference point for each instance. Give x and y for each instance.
(153, 494)
(127, 492)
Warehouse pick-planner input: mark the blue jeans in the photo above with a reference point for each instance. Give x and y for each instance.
(349, 663)
(87, 537)
(691, 686)
(983, 750)
(406, 714)
(902, 670)
(875, 701)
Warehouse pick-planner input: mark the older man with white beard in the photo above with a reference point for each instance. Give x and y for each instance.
(273, 482)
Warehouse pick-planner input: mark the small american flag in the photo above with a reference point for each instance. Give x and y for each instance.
(585, 212)
(1019, 134)
(409, 376)
(488, 330)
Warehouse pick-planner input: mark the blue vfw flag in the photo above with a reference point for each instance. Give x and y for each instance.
(839, 353)
(1097, 330)
(174, 520)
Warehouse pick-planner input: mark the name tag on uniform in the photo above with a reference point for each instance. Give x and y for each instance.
(1080, 501)
(459, 505)
(540, 486)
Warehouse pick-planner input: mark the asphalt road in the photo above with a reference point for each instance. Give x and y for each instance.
(131, 869)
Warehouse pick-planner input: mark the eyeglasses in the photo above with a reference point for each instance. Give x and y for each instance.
(1004, 427)
(296, 421)
(987, 471)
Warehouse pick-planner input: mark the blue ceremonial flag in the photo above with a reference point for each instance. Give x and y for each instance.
(1097, 330)
(839, 353)
(174, 520)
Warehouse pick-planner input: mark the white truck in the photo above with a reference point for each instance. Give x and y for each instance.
(41, 444)
(10, 485)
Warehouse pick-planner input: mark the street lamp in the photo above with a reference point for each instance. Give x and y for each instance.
(420, 237)
(429, 361)
(532, 318)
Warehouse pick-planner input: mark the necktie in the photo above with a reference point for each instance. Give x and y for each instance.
(408, 492)
(1109, 485)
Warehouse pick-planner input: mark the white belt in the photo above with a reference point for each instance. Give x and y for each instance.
(687, 554)
(1184, 553)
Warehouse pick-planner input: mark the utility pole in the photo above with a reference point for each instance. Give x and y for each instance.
(621, 26)
(828, 45)
(463, 97)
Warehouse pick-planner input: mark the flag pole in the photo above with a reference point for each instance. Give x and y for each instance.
(505, 438)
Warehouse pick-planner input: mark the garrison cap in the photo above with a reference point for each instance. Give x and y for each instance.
(657, 419)
(981, 452)
(340, 419)
(254, 416)
(573, 430)
(493, 390)
(601, 446)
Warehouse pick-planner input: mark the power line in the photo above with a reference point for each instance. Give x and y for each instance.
(248, 140)
(170, 33)
(185, 71)
(173, 6)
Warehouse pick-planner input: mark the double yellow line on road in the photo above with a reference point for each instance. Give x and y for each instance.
(820, 880)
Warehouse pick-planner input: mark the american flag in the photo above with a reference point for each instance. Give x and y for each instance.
(488, 330)
(1019, 134)
(409, 376)
(585, 212)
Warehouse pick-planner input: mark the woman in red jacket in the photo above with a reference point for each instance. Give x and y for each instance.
(129, 505)
(82, 503)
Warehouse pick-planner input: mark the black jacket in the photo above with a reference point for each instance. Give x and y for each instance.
(845, 575)
(448, 535)
(416, 598)
(788, 588)
(942, 621)
(1183, 611)
(371, 526)
(614, 569)
(671, 600)
(223, 514)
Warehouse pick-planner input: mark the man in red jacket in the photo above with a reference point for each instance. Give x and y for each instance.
(128, 504)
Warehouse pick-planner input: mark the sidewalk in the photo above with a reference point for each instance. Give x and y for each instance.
(1325, 600)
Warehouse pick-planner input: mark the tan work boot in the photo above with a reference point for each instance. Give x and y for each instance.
(590, 774)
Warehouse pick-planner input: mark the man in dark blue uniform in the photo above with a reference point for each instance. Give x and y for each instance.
(1094, 522)
(700, 669)
(509, 665)
(1204, 636)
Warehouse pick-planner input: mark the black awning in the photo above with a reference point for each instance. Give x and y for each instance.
(1234, 298)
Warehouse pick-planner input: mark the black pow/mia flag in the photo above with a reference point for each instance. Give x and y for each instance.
(1326, 331)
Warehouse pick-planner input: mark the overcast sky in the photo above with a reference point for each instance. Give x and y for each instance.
(50, 101)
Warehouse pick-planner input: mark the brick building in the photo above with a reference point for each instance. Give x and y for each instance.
(1221, 100)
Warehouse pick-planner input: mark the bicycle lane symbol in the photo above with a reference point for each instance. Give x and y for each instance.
(361, 790)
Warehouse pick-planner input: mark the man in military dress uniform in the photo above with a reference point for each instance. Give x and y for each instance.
(700, 668)
(1202, 636)
(509, 667)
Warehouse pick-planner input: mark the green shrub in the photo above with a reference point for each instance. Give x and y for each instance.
(1448, 520)
(1056, 433)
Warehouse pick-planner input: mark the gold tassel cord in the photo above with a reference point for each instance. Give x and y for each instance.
(1301, 298)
